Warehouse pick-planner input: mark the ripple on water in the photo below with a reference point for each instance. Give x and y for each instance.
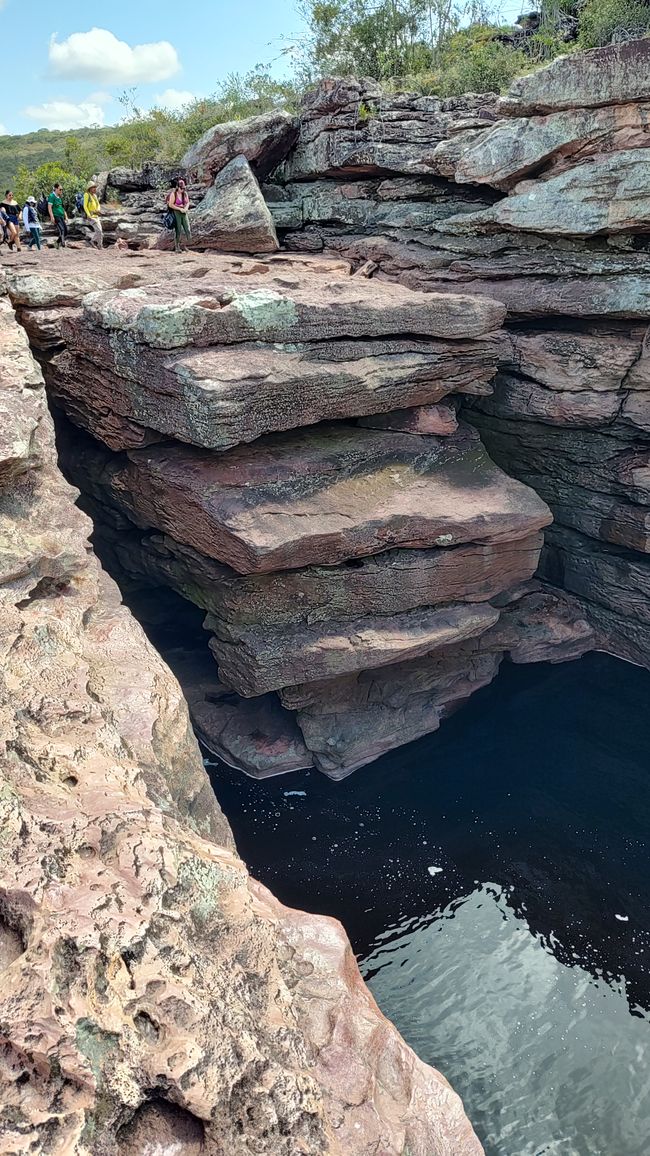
(534, 1045)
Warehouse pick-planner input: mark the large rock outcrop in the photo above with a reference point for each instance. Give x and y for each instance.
(560, 241)
(153, 995)
(322, 512)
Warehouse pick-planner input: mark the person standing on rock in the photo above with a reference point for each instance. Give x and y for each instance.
(31, 223)
(178, 202)
(58, 215)
(11, 211)
(92, 210)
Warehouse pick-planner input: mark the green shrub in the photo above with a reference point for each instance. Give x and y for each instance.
(41, 180)
(473, 61)
(604, 21)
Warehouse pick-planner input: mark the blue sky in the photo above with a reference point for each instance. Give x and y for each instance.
(64, 64)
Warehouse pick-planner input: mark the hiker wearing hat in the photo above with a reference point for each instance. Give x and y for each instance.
(92, 210)
(31, 223)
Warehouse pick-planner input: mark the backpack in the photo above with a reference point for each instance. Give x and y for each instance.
(79, 202)
(41, 207)
(168, 220)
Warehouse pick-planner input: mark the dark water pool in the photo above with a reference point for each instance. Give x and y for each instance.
(493, 879)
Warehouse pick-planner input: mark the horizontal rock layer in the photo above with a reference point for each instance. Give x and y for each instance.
(322, 496)
(119, 1021)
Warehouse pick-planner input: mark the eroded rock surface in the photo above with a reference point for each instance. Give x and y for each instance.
(561, 166)
(152, 993)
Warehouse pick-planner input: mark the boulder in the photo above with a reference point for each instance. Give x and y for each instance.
(616, 74)
(324, 495)
(233, 216)
(262, 140)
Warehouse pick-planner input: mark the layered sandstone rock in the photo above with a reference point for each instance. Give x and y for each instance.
(153, 994)
(352, 126)
(564, 251)
(316, 552)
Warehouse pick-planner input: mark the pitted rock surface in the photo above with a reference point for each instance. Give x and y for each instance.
(152, 992)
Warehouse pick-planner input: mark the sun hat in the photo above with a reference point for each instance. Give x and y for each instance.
(91, 185)
(31, 200)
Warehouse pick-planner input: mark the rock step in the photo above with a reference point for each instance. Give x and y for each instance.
(270, 307)
(219, 398)
(391, 582)
(266, 659)
(323, 495)
(349, 721)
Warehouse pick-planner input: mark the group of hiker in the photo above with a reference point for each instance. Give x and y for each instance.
(29, 219)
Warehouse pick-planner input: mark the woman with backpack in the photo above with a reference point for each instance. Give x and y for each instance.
(178, 203)
(31, 223)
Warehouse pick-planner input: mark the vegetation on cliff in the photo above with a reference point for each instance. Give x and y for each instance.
(431, 46)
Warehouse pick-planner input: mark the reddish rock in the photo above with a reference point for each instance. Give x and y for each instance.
(519, 397)
(255, 735)
(616, 74)
(262, 140)
(324, 495)
(151, 991)
(577, 361)
(350, 721)
(221, 397)
(543, 626)
(422, 419)
(22, 401)
(268, 306)
(390, 582)
(606, 194)
(512, 149)
(265, 659)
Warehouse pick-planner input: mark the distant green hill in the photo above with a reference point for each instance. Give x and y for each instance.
(36, 148)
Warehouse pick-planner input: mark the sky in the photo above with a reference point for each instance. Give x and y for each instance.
(64, 65)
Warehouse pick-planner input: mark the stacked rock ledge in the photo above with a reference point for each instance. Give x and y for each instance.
(153, 993)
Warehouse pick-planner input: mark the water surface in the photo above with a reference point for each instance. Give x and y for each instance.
(493, 879)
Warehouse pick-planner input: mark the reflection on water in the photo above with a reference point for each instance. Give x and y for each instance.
(530, 992)
(532, 1045)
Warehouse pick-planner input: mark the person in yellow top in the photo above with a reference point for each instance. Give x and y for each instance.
(92, 210)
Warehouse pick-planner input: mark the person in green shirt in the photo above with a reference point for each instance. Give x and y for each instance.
(58, 215)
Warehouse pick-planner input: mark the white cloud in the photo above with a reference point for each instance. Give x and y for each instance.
(100, 98)
(100, 57)
(3, 131)
(64, 114)
(173, 99)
